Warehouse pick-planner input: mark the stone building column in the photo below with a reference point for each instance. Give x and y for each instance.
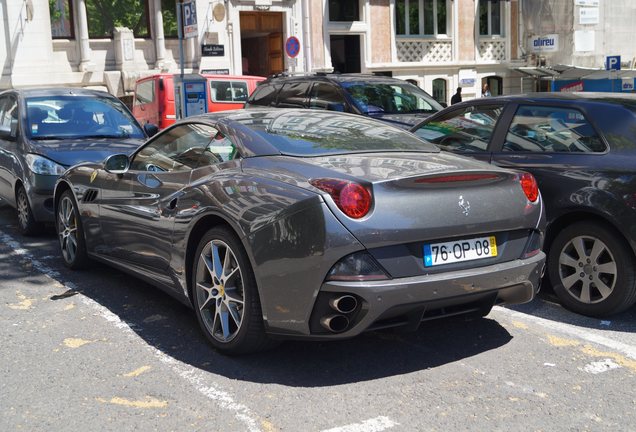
(159, 37)
(85, 65)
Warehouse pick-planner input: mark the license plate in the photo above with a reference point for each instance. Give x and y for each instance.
(459, 250)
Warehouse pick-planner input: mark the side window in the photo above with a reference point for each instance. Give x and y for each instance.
(293, 95)
(9, 115)
(326, 96)
(466, 130)
(551, 129)
(228, 91)
(145, 92)
(264, 95)
(183, 148)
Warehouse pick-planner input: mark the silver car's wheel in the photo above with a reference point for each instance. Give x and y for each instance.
(70, 233)
(219, 291)
(587, 269)
(26, 221)
(591, 269)
(225, 295)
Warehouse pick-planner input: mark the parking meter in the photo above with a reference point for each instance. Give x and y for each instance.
(190, 95)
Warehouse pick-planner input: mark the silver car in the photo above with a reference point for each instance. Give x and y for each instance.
(278, 223)
(45, 131)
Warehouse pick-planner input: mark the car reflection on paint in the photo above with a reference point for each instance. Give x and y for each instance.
(275, 223)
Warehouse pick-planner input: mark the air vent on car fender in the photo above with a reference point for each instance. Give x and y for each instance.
(90, 195)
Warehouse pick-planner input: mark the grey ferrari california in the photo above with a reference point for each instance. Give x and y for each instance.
(281, 223)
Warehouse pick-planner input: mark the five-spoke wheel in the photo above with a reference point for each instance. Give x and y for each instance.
(69, 232)
(225, 296)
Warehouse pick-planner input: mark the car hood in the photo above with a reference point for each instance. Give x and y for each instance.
(72, 152)
(405, 121)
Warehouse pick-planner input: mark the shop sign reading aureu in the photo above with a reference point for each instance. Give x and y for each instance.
(547, 43)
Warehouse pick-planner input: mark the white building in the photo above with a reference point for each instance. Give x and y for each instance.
(440, 44)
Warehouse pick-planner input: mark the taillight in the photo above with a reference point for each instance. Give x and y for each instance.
(529, 186)
(352, 198)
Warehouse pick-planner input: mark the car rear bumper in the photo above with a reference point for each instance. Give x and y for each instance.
(406, 302)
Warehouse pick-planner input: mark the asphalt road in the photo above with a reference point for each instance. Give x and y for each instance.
(99, 351)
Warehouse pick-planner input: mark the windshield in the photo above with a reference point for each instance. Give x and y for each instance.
(318, 133)
(390, 98)
(77, 117)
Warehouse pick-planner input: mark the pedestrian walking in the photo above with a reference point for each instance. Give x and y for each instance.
(457, 97)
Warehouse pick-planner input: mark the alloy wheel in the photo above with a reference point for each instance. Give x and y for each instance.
(587, 269)
(67, 229)
(23, 209)
(219, 291)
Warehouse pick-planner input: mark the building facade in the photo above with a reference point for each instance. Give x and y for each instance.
(438, 44)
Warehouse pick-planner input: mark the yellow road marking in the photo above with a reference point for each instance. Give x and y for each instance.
(562, 342)
(24, 304)
(618, 358)
(520, 325)
(149, 402)
(138, 372)
(76, 342)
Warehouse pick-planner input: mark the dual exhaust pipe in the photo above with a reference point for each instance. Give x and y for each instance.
(343, 305)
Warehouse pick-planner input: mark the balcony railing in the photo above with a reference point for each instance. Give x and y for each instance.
(433, 51)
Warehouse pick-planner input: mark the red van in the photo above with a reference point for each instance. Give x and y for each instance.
(154, 96)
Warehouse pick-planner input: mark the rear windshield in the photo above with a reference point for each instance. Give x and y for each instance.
(317, 133)
(390, 98)
(77, 117)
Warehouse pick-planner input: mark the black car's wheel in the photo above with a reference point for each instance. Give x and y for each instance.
(27, 225)
(591, 269)
(70, 232)
(225, 296)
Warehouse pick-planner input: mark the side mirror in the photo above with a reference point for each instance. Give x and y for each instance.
(117, 164)
(7, 133)
(151, 129)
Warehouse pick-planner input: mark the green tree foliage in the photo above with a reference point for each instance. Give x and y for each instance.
(105, 15)
(54, 11)
(169, 12)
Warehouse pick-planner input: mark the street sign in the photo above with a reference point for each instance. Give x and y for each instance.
(292, 46)
(189, 19)
(613, 63)
(212, 50)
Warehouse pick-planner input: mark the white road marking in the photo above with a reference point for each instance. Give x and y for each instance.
(377, 424)
(192, 375)
(626, 349)
(601, 366)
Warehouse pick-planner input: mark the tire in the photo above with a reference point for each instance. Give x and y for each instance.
(225, 295)
(27, 225)
(591, 269)
(70, 232)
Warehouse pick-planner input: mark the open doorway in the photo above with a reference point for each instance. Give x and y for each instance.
(495, 85)
(345, 53)
(262, 43)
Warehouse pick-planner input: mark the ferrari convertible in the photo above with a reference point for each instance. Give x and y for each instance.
(274, 224)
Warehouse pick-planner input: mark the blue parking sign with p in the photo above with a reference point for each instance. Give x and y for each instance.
(613, 63)
(189, 17)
